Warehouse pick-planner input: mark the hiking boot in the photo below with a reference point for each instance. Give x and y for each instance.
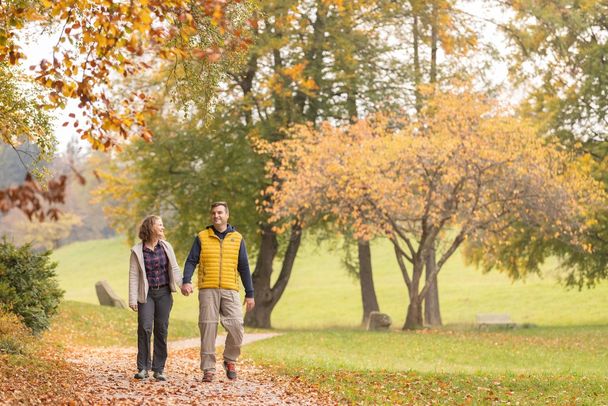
(143, 374)
(208, 376)
(230, 368)
(159, 376)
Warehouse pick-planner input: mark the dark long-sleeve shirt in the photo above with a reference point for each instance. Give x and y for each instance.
(243, 263)
(157, 266)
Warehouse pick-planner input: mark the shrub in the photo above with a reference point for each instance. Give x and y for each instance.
(28, 285)
(15, 338)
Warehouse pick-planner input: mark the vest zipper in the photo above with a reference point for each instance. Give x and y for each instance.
(219, 281)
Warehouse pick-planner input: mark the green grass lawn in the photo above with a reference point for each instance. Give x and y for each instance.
(321, 294)
(554, 365)
(568, 350)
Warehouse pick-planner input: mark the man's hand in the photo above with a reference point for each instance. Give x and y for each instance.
(133, 307)
(187, 289)
(249, 303)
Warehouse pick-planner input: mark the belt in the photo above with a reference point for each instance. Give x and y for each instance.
(159, 286)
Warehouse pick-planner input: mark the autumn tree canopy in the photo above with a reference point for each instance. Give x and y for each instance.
(101, 41)
(461, 172)
(105, 57)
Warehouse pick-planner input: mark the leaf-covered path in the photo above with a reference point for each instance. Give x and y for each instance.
(109, 380)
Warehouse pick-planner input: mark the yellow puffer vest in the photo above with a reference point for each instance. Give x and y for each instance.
(219, 260)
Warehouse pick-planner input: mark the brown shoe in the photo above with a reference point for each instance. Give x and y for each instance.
(208, 376)
(230, 368)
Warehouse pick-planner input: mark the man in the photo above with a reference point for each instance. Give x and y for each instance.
(219, 251)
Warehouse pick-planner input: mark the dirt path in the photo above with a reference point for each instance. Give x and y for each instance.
(110, 372)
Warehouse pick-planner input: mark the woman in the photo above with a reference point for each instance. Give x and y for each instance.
(153, 276)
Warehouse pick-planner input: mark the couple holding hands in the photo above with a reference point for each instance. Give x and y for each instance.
(220, 253)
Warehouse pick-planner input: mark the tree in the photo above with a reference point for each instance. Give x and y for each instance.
(34, 200)
(100, 41)
(471, 173)
(79, 219)
(23, 123)
(452, 43)
(559, 59)
(315, 60)
(26, 140)
(180, 174)
(82, 166)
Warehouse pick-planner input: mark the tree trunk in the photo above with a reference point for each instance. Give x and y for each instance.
(260, 315)
(417, 72)
(368, 293)
(434, 42)
(315, 59)
(267, 296)
(432, 313)
(413, 319)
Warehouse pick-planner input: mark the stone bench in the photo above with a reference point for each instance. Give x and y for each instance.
(107, 297)
(498, 320)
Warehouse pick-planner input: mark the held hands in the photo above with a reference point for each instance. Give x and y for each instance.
(187, 289)
(249, 303)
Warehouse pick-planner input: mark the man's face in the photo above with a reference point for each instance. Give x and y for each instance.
(219, 216)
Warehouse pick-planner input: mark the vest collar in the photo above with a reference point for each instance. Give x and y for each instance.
(211, 230)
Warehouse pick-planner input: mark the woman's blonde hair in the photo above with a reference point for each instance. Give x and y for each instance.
(145, 229)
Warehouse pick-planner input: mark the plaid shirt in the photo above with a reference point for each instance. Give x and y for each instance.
(157, 266)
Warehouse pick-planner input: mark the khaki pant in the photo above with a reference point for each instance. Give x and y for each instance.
(214, 303)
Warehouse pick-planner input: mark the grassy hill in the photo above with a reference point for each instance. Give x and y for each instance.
(321, 293)
(563, 361)
(546, 365)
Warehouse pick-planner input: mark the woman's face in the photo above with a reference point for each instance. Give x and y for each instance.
(158, 229)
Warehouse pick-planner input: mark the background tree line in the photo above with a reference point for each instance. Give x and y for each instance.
(339, 62)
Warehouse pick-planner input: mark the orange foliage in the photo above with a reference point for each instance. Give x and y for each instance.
(462, 164)
(100, 40)
(461, 170)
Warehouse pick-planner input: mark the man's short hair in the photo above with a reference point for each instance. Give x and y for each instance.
(215, 204)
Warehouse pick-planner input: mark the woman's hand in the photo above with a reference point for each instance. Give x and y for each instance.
(186, 289)
(133, 307)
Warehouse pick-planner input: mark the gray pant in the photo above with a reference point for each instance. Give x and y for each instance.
(153, 316)
(214, 303)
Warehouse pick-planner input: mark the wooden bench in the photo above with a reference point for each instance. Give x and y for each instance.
(499, 320)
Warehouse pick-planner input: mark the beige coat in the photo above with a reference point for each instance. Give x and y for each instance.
(138, 283)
